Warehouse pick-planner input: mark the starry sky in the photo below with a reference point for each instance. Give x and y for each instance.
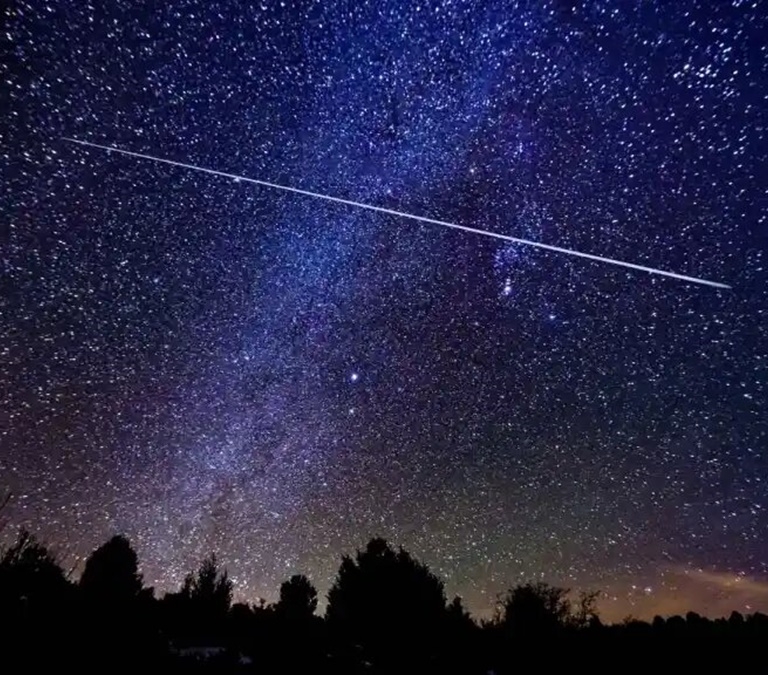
(205, 364)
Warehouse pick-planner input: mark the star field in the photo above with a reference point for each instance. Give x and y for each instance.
(204, 364)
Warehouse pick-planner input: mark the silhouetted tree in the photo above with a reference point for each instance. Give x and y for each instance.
(387, 613)
(462, 649)
(534, 608)
(456, 611)
(198, 612)
(210, 589)
(676, 623)
(242, 626)
(291, 622)
(36, 604)
(388, 604)
(298, 598)
(111, 575)
(29, 570)
(585, 614)
(31, 580)
(119, 614)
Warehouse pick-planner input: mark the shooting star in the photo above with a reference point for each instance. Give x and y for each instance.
(410, 216)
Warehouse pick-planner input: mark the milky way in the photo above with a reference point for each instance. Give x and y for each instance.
(204, 365)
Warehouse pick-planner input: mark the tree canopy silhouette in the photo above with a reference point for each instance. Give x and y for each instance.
(298, 598)
(386, 613)
(111, 574)
(387, 603)
(210, 589)
(199, 610)
(116, 610)
(36, 600)
(31, 580)
(542, 608)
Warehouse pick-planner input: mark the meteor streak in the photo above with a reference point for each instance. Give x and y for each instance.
(411, 216)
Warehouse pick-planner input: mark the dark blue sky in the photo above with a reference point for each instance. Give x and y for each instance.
(205, 364)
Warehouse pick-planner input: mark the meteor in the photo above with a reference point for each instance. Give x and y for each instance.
(410, 216)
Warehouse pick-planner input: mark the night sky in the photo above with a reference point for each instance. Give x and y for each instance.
(205, 364)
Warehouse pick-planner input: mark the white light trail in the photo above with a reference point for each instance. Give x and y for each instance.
(411, 216)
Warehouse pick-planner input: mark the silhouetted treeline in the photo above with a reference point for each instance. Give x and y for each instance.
(386, 613)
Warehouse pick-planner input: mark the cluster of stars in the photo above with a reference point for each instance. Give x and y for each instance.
(206, 365)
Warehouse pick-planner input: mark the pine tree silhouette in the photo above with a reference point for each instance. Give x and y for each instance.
(388, 605)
